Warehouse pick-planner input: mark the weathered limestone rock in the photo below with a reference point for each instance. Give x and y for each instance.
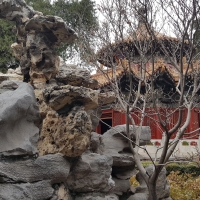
(37, 37)
(162, 185)
(69, 135)
(60, 96)
(44, 108)
(117, 146)
(13, 10)
(29, 191)
(42, 60)
(54, 28)
(76, 77)
(106, 98)
(18, 114)
(97, 196)
(51, 167)
(91, 173)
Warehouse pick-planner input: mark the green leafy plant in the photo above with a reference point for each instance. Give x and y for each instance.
(185, 143)
(183, 168)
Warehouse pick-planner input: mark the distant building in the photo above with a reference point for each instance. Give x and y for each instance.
(165, 79)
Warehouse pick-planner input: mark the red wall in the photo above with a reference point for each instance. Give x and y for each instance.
(151, 119)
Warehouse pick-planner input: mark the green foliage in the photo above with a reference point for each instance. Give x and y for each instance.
(182, 168)
(81, 16)
(184, 186)
(7, 37)
(43, 6)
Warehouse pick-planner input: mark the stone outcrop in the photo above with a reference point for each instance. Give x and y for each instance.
(73, 164)
(116, 145)
(70, 112)
(33, 178)
(51, 167)
(10, 76)
(63, 97)
(92, 172)
(37, 37)
(162, 185)
(18, 114)
(69, 135)
(76, 77)
(28, 191)
(113, 143)
(96, 196)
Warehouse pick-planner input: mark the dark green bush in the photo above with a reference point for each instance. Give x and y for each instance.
(182, 168)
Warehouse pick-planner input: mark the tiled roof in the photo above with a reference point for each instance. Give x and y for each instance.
(104, 77)
(142, 34)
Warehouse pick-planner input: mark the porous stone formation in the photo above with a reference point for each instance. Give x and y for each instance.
(37, 37)
(52, 167)
(68, 135)
(63, 97)
(28, 191)
(114, 144)
(67, 123)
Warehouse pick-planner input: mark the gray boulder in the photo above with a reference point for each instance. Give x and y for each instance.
(117, 146)
(50, 167)
(162, 184)
(18, 115)
(41, 190)
(37, 36)
(124, 173)
(91, 173)
(97, 196)
(121, 186)
(138, 196)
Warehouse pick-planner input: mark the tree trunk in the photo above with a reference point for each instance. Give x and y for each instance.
(152, 191)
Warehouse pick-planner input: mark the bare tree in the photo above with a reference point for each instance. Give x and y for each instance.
(149, 41)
